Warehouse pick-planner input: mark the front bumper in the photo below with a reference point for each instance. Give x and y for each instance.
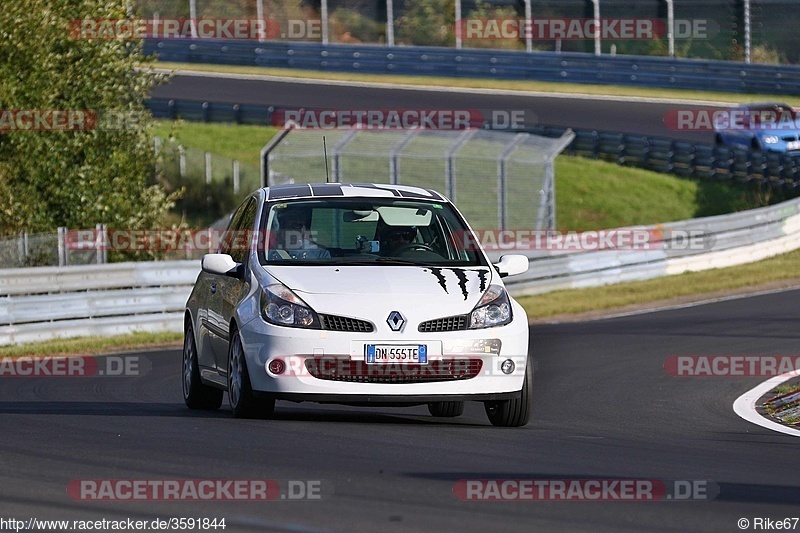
(453, 357)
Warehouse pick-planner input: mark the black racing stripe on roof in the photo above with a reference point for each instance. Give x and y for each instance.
(327, 189)
(410, 194)
(379, 187)
(289, 191)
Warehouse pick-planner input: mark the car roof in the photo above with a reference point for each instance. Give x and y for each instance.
(353, 190)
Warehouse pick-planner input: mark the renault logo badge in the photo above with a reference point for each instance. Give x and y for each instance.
(395, 321)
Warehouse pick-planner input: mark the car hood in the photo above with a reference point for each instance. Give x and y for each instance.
(455, 290)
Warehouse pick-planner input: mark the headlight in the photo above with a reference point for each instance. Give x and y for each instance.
(282, 307)
(771, 139)
(494, 309)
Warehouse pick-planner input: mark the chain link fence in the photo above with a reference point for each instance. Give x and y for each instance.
(499, 180)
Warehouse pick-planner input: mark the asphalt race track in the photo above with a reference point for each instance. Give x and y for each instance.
(605, 408)
(640, 117)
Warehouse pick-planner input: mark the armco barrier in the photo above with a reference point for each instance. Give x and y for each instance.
(45, 303)
(653, 153)
(730, 240)
(573, 67)
(52, 302)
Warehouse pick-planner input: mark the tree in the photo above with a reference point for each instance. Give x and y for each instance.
(75, 178)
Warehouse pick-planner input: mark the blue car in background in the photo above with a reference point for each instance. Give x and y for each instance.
(765, 126)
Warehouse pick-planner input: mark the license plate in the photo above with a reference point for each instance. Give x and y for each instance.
(393, 353)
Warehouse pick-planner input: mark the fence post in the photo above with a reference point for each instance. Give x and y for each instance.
(208, 168)
(193, 16)
(450, 163)
(597, 48)
(671, 27)
(260, 16)
(182, 160)
(323, 14)
(62, 246)
(529, 27)
(394, 167)
(21, 250)
(99, 243)
(390, 22)
(502, 186)
(336, 161)
(236, 183)
(747, 27)
(458, 24)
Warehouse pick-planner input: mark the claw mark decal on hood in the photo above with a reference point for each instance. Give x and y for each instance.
(442, 281)
(462, 282)
(482, 277)
(463, 278)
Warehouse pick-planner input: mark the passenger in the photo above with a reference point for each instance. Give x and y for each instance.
(294, 237)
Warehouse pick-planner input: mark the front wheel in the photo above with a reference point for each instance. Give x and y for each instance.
(241, 398)
(515, 412)
(196, 394)
(446, 409)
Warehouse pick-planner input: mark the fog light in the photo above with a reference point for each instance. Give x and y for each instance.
(276, 366)
(508, 366)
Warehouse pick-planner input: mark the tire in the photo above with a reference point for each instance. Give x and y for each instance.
(241, 398)
(718, 140)
(755, 144)
(446, 409)
(515, 412)
(196, 394)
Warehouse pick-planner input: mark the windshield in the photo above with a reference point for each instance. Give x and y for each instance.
(366, 230)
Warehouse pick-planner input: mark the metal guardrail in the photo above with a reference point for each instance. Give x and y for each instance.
(727, 240)
(573, 67)
(38, 304)
(55, 302)
(653, 153)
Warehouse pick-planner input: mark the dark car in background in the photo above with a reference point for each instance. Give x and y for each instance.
(764, 126)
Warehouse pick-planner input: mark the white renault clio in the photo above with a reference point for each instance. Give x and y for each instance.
(358, 294)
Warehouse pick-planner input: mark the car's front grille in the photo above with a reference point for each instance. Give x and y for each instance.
(333, 369)
(343, 323)
(450, 323)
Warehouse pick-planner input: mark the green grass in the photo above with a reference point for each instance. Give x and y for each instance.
(242, 142)
(785, 388)
(479, 83)
(593, 194)
(784, 267)
(94, 345)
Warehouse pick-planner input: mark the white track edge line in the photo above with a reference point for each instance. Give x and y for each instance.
(745, 405)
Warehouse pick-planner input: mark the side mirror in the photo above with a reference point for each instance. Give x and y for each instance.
(221, 264)
(512, 265)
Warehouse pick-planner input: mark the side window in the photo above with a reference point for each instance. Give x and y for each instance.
(227, 238)
(243, 233)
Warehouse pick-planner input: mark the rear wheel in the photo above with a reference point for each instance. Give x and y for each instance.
(196, 394)
(243, 401)
(515, 412)
(446, 409)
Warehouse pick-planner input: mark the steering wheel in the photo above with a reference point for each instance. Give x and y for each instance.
(414, 246)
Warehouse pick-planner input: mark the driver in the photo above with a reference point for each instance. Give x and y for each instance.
(400, 237)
